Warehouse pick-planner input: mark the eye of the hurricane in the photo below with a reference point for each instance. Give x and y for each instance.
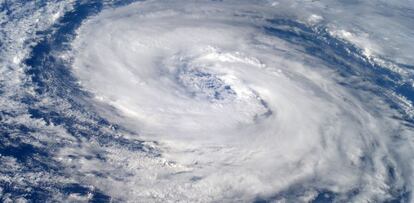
(205, 86)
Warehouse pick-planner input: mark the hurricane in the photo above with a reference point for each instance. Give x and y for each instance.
(207, 101)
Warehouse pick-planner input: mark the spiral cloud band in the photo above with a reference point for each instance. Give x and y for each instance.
(211, 101)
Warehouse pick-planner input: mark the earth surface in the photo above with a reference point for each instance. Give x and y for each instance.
(206, 101)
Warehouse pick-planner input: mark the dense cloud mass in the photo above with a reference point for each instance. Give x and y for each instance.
(207, 101)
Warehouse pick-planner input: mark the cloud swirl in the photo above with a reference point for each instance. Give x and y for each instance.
(206, 101)
(237, 112)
